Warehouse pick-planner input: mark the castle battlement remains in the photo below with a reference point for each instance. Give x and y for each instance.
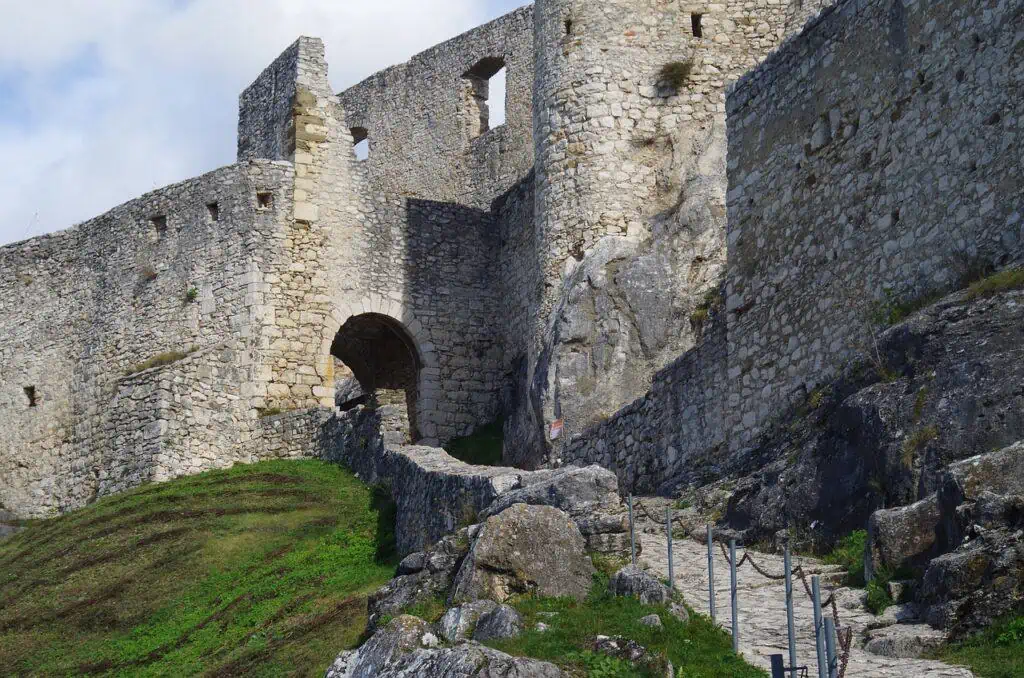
(549, 270)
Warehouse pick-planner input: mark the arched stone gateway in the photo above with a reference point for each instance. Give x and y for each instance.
(391, 357)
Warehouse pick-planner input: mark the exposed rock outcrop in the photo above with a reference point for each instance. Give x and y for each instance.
(421, 576)
(640, 584)
(941, 386)
(525, 549)
(624, 305)
(501, 622)
(406, 648)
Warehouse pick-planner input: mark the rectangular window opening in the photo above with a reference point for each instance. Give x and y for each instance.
(264, 200)
(483, 92)
(360, 142)
(496, 100)
(214, 210)
(695, 25)
(159, 225)
(362, 149)
(30, 393)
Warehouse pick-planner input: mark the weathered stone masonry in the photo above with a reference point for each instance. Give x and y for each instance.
(879, 150)
(874, 156)
(541, 269)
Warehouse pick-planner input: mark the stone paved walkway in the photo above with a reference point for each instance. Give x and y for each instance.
(762, 608)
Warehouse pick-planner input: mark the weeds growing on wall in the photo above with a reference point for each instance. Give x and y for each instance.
(916, 442)
(159, 360)
(675, 74)
(1010, 279)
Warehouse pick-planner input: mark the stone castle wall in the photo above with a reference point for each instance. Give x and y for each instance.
(879, 150)
(521, 290)
(624, 154)
(423, 122)
(657, 442)
(83, 307)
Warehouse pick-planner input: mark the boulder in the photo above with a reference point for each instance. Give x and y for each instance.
(903, 641)
(421, 576)
(902, 537)
(403, 635)
(525, 549)
(651, 620)
(632, 581)
(405, 648)
(501, 622)
(590, 495)
(620, 648)
(980, 581)
(457, 623)
(998, 473)
(580, 492)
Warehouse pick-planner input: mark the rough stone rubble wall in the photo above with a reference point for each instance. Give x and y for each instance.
(658, 441)
(879, 150)
(432, 248)
(82, 307)
(415, 113)
(623, 155)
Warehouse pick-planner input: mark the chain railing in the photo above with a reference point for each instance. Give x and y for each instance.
(829, 665)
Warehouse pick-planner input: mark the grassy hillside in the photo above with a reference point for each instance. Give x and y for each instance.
(258, 570)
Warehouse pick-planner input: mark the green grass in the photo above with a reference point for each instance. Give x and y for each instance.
(260, 570)
(159, 360)
(849, 552)
(996, 652)
(1010, 279)
(878, 598)
(697, 649)
(482, 447)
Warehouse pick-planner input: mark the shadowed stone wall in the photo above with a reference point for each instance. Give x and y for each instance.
(876, 155)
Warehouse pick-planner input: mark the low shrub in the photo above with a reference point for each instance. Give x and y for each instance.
(675, 74)
(849, 553)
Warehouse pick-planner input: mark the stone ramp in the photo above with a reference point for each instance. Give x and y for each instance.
(762, 609)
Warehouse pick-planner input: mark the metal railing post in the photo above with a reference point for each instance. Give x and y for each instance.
(632, 534)
(668, 536)
(789, 611)
(819, 640)
(830, 648)
(735, 599)
(711, 574)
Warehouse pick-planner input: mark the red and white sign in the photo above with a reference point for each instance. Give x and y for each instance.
(556, 429)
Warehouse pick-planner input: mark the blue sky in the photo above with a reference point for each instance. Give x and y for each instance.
(103, 100)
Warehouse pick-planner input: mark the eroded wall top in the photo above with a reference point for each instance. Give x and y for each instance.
(424, 119)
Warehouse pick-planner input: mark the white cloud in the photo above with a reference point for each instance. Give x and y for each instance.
(111, 98)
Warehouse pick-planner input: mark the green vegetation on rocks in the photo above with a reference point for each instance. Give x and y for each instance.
(849, 552)
(697, 649)
(996, 652)
(260, 570)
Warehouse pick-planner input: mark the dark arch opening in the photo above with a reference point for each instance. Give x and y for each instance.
(384, 363)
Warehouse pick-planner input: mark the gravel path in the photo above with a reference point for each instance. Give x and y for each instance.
(762, 608)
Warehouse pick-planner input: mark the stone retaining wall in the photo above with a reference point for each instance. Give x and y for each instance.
(673, 433)
(875, 156)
